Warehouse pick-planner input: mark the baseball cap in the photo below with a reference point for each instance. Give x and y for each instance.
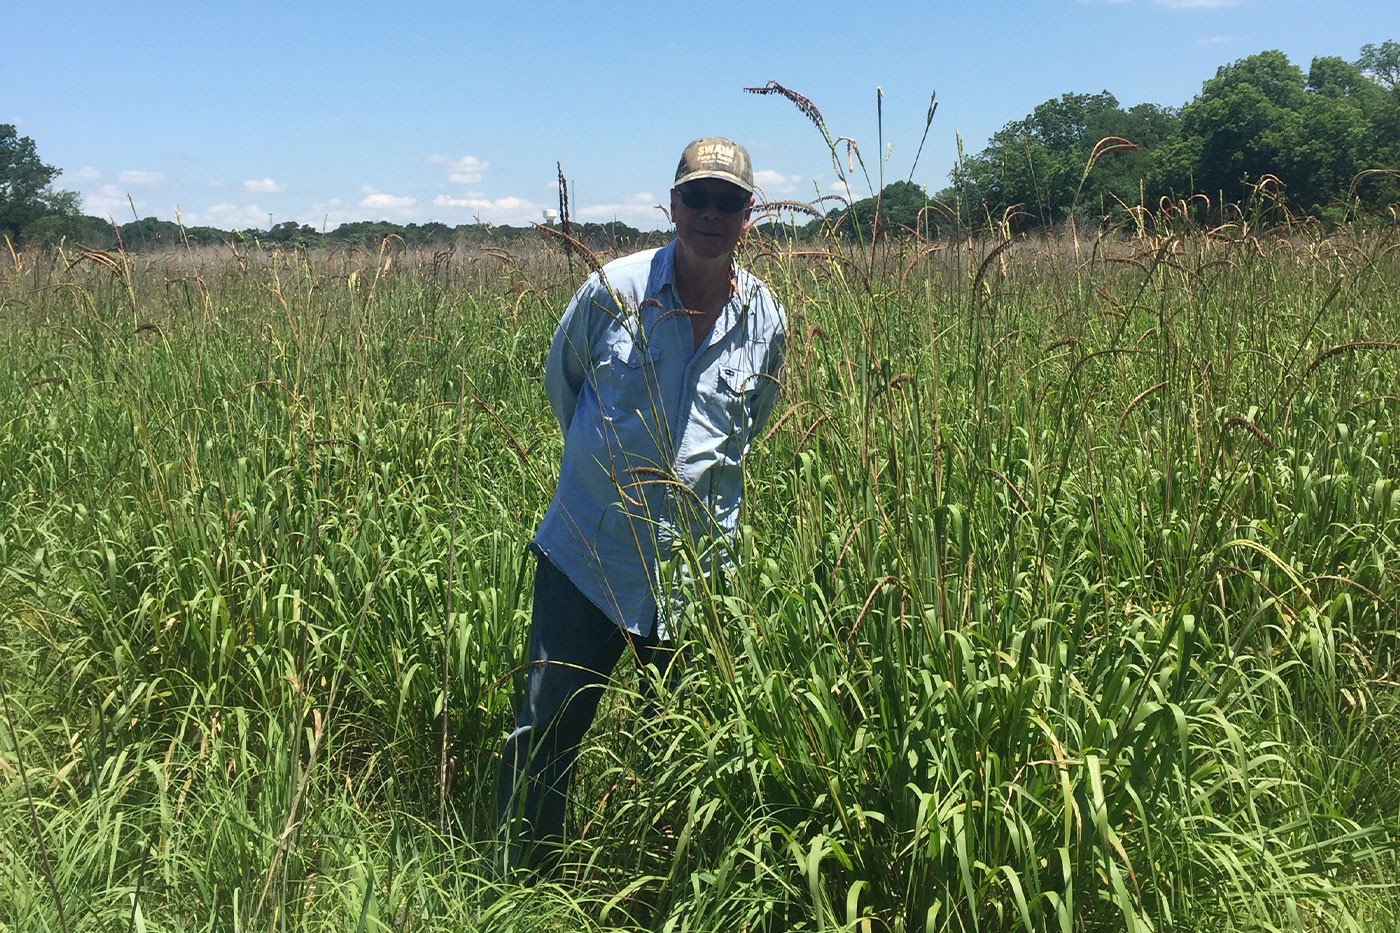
(716, 157)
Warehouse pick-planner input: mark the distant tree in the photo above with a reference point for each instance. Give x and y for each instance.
(62, 221)
(1382, 63)
(151, 233)
(1377, 96)
(290, 233)
(435, 233)
(25, 193)
(610, 235)
(1248, 119)
(366, 233)
(899, 206)
(1040, 162)
(1260, 116)
(1338, 134)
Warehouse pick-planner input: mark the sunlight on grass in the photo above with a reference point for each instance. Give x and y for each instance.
(1067, 600)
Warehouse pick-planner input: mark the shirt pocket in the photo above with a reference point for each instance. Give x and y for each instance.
(734, 388)
(738, 381)
(627, 382)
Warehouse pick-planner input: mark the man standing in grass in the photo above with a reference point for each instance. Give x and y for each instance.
(661, 373)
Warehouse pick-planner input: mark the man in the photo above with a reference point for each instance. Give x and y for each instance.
(661, 373)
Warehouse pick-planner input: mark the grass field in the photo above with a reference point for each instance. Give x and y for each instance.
(1068, 597)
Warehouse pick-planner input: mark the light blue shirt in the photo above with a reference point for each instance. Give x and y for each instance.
(655, 429)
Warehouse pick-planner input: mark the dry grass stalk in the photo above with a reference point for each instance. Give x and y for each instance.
(521, 451)
(100, 257)
(803, 103)
(770, 208)
(852, 154)
(1011, 486)
(1350, 348)
(1252, 428)
(1137, 399)
(982, 269)
(874, 591)
(833, 197)
(1129, 260)
(1110, 144)
(563, 197)
(1375, 400)
(572, 243)
(996, 346)
(926, 251)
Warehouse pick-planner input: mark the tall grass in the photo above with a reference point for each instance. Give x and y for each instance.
(1067, 601)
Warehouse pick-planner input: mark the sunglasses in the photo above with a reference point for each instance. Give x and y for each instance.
(728, 203)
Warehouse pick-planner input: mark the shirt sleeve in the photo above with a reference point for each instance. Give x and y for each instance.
(569, 354)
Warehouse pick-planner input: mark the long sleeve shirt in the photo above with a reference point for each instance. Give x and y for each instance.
(655, 429)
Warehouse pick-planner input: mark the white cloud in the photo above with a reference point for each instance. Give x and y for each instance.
(109, 201)
(398, 207)
(85, 174)
(638, 210)
(774, 184)
(229, 217)
(1213, 40)
(464, 171)
(138, 177)
(849, 188)
(507, 210)
(388, 202)
(328, 214)
(476, 201)
(262, 186)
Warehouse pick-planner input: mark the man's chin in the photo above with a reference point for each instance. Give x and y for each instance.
(709, 247)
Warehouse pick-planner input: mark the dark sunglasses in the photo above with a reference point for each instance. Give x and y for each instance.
(728, 203)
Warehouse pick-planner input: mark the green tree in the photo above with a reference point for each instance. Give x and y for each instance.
(25, 195)
(1338, 136)
(151, 233)
(290, 233)
(1248, 120)
(1040, 162)
(899, 205)
(1382, 63)
(60, 221)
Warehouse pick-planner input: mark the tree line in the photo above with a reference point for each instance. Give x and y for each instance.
(152, 233)
(1324, 144)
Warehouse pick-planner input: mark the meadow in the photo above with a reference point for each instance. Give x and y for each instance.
(1068, 596)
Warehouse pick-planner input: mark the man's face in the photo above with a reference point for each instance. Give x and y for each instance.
(707, 231)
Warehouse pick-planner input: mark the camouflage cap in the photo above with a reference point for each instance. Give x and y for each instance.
(716, 157)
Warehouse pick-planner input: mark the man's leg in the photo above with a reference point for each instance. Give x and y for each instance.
(664, 663)
(573, 649)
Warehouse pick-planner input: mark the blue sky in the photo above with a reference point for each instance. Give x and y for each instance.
(326, 113)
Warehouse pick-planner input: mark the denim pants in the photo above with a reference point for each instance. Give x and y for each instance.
(573, 648)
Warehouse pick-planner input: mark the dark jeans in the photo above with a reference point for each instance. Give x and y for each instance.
(573, 649)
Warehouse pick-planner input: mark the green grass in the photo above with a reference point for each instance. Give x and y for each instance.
(1068, 598)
